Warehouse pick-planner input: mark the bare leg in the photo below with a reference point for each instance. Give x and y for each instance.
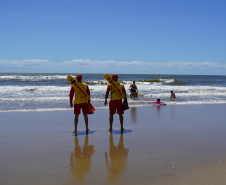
(121, 121)
(86, 122)
(76, 122)
(111, 121)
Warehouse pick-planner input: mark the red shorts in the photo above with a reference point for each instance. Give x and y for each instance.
(116, 104)
(83, 106)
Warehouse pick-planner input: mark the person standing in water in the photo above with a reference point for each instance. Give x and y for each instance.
(80, 103)
(115, 102)
(172, 95)
(133, 90)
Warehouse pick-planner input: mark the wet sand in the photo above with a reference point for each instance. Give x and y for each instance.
(183, 144)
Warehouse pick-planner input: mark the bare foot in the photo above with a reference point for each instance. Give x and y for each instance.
(75, 133)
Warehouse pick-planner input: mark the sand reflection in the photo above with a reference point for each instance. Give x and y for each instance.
(80, 161)
(116, 160)
(133, 113)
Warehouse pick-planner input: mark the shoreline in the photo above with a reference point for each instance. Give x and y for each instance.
(169, 144)
(106, 107)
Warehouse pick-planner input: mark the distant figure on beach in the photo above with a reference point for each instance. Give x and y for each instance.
(115, 102)
(172, 95)
(158, 102)
(133, 90)
(80, 103)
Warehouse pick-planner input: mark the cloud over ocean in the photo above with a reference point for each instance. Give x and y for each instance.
(111, 66)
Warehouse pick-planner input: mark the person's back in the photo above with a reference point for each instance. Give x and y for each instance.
(115, 102)
(80, 103)
(78, 97)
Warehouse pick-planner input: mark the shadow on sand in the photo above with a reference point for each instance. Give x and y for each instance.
(82, 133)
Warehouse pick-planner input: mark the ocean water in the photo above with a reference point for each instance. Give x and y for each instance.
(49, 92)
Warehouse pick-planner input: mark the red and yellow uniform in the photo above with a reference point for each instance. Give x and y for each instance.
(79, 101)
(115, 100)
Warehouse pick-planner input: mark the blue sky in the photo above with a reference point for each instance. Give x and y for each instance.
(113, 36)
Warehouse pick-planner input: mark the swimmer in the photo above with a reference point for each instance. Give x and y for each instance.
(172, 95)
(134, 91)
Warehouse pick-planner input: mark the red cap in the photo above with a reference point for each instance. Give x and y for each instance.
(114, 76)
(79, 76)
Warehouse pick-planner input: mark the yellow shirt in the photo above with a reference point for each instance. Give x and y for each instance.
(78, 98)
(114, 95)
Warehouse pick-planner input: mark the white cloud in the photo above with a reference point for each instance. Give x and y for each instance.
(111, 66)
(22, 62)
(26, 65)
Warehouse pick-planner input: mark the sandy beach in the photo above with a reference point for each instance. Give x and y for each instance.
(182, 144)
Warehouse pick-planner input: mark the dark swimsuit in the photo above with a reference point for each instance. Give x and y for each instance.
(133, 88)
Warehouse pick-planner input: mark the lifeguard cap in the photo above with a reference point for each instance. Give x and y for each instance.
(79, 76)
(114, 76)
